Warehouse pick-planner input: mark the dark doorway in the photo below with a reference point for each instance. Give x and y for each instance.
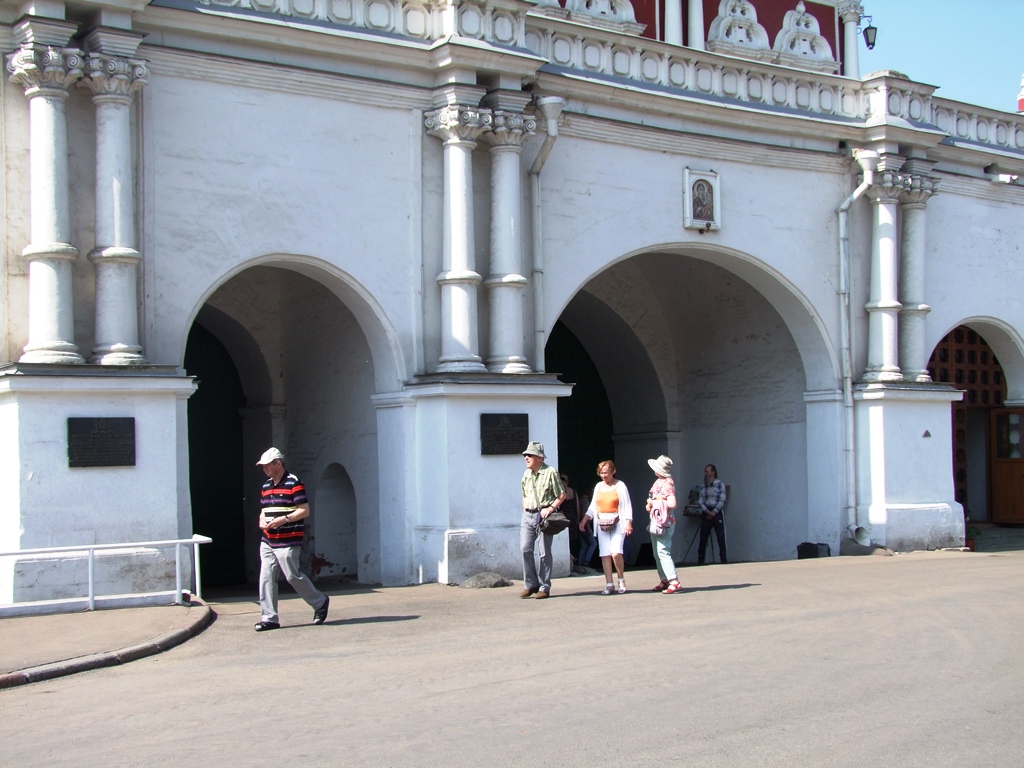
(585, 418)
(215, 457)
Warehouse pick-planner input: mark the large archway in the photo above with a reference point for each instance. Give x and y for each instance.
(982, 357)
(701, 364)
(305, 367)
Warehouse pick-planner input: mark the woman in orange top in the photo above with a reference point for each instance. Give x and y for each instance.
(611, 510)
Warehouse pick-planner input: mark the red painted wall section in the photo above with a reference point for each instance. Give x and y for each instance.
(645, 11)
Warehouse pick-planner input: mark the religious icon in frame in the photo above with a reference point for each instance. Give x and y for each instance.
(702, 203)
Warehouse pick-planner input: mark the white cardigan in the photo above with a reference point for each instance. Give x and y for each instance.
(625, 507)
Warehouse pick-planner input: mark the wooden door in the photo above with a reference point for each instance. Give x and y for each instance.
(1007, 465)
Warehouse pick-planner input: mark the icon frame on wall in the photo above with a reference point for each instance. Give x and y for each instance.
(702, 200)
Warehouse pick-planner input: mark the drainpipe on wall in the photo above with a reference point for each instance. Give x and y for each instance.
(867, 160)
(550, 107)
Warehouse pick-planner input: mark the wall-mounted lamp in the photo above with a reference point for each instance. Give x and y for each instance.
(870, 33)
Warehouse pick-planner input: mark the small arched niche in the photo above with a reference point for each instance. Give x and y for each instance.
(333, 546)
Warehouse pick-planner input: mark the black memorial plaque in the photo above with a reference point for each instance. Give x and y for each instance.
(504, 433)
(101, 442)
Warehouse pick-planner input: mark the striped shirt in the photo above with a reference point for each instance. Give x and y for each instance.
(282, 499)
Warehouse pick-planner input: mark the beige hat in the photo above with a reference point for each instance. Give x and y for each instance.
(269, 456)
(662, 465)
(535, 449)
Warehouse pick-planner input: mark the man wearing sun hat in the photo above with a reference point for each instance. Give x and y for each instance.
(283, 507)
(542, 492)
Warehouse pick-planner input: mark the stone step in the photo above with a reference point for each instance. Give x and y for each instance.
(998, 538)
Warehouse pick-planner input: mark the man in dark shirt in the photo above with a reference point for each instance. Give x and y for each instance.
(283, 507)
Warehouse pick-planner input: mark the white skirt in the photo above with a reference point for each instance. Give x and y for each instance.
(610, 542)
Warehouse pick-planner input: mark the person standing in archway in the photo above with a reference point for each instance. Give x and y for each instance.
(712, 506)
(542, 493)
(283, 507)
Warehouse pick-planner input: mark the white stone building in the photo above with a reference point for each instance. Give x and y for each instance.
(350, 228)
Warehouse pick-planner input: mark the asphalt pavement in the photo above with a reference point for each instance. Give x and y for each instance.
(906, 660)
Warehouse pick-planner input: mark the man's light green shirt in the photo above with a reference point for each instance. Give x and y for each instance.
(542, 488)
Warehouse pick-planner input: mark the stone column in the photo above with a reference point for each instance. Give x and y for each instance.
(506, 282)
(694, 24)
(46, 70)
(113, 80)
(883, 307)
(459, 126)
(851, 14)
(913, 202)
(674, 22)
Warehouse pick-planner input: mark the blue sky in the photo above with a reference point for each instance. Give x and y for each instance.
(968, 49)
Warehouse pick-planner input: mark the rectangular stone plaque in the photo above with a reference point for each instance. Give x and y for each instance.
(108, 442)
(504, 433)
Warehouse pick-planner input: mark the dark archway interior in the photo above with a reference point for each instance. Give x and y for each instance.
(215, 457)
(585, 418)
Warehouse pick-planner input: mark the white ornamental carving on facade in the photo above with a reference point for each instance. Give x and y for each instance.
(45, 68)
(800, 43)
(735, 31)
(611, 10)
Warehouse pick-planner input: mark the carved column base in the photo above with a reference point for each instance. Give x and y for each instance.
(52, 353)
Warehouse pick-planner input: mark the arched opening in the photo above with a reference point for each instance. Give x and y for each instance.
(584, 420)
(983, 358)
(300, 358)
(215, 457)
(699, 363)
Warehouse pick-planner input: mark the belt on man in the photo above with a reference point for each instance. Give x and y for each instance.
(534, 509)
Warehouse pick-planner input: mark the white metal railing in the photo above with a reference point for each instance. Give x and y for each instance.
(195, 541)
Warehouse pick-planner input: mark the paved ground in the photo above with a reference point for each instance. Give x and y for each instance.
(913, 660)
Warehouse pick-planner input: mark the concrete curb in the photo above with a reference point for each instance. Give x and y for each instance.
(198, 618)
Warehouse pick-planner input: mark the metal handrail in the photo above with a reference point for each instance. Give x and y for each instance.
(195, 541)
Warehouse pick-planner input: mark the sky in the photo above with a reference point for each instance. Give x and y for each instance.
(966, 47)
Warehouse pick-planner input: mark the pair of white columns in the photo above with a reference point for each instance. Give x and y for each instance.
(694, 23)
(897, 349)
(47, 69)
(459, 127)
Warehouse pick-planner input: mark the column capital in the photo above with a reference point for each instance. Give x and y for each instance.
(510, 129)
(114, 77)
(918, 190)
(888, 187)
(40, 68)
(458, 123)
(850, 11)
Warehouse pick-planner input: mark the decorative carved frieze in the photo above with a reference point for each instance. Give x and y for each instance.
(591, 48)
(458, 122)
(114, 76)
(45, 68)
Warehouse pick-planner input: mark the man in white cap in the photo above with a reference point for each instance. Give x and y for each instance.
(542, 493)
(283, 507)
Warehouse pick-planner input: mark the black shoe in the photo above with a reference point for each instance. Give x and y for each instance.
(320, 614)
(263, 626)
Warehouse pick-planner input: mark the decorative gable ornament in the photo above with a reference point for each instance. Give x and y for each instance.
(735, 32)
(799, 44)
(615, 15)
